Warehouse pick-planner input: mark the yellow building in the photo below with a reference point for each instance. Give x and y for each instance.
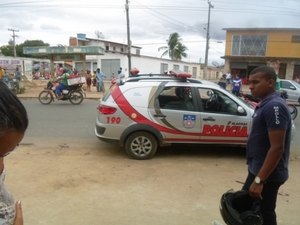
(247, 48)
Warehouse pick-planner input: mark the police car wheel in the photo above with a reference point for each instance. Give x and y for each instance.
(141, 145)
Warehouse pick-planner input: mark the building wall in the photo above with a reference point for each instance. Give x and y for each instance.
(116, 52)
(279, 42)
(145, 64)
(148, 64)
(281, 52)
(29, 67)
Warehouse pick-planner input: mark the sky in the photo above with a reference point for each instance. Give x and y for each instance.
(151, 22)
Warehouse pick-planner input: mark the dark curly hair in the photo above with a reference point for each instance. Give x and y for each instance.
(13, 115)
(267, 71)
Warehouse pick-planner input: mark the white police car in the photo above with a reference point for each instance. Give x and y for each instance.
(148, 111)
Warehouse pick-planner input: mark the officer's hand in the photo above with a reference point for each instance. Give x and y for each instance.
(255, 190)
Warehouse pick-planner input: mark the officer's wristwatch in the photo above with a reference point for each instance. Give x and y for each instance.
(257, 180)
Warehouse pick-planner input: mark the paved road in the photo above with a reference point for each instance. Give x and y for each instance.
(61, 119)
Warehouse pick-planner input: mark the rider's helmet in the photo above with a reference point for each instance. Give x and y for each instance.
(238, 208)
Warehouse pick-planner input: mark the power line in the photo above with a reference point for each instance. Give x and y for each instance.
(262, 9)
(165, 17)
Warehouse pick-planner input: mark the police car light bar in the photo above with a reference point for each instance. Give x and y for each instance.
(180, 74)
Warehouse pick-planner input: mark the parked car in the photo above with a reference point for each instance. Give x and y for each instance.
(292, 88)
(148, 111)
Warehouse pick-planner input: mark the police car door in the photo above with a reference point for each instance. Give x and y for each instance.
(176, 113)
(221, 121)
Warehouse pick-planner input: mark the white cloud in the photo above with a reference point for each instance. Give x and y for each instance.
(151, 21)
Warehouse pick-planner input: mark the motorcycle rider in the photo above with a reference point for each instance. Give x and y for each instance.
(63, 83)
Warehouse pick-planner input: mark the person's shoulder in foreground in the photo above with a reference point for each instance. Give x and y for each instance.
(13, 124)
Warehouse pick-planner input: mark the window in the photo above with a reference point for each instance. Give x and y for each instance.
(138, 51)
(107, 48)
(217, 102)
(194, 72)
(176, 98)
(249, 45)
(176, 67)
(186, 68)
(163, 68)
(287, 85)
(296, 38)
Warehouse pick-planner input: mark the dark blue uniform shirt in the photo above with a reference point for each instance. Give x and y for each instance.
(271, 113)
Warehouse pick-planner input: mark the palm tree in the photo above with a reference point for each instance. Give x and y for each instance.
(175, 48)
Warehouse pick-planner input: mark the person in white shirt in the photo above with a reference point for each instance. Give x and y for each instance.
(228, 78)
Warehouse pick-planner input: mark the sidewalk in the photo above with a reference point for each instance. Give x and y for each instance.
(33, 89)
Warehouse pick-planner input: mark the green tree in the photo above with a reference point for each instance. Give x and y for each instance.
(8, 49)
(175, 49)
(29, 43)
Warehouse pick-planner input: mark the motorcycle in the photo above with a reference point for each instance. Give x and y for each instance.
(74, 93)
(254, 101)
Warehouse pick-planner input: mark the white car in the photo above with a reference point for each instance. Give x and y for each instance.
(292, 89)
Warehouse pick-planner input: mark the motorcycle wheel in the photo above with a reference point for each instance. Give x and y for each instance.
(293, 111)
(75, 97)
(45, 97)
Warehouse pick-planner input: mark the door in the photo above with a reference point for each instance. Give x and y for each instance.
(110, 67)
(176, 113)
(222, 118)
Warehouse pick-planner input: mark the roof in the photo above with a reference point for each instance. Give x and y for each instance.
(262, 28)
(111, 42)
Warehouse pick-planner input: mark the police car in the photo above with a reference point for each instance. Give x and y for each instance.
(147, 111)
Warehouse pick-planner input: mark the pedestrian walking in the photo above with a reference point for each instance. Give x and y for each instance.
(88, 79)
(18, 77)
(100, 80)
(236, 85)
(228, 77)
(222, 82)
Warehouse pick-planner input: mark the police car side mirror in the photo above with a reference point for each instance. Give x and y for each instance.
(240, 110)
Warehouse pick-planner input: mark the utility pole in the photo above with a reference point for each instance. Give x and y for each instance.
(14, 39)
(207, 39)
(128, 37)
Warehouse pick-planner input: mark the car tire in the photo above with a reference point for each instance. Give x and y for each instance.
(141, 145)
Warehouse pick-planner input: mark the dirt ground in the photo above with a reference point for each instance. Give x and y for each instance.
(92, 183)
